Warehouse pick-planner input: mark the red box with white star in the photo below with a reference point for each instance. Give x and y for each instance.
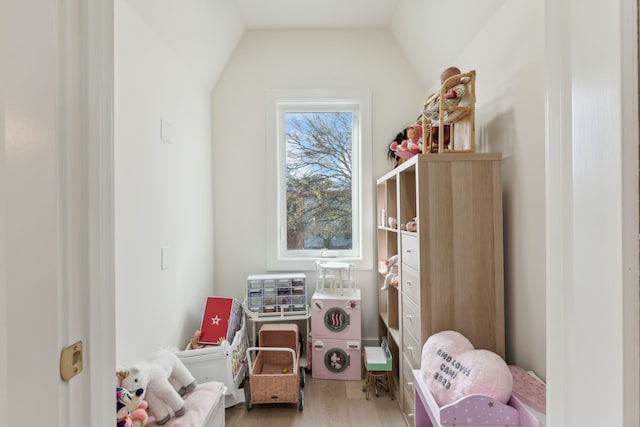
(220, 321)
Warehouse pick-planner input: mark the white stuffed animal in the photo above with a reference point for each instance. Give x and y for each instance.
(165, 379)
(335, 362)
(392, 272)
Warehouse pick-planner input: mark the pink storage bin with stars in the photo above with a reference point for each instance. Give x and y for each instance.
(220, 321)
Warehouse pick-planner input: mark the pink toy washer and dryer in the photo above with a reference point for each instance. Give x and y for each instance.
(336, 316)
(336, 349)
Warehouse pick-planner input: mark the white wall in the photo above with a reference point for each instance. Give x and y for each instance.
(313, 59)
(592, 214)
(507, 53)
(431, 33)
(163, 191)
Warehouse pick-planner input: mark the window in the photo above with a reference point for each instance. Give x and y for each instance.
(319, 175)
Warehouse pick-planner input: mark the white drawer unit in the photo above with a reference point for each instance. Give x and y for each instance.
(277, 294)
(410, 283)
(412, 350)
(410, 251)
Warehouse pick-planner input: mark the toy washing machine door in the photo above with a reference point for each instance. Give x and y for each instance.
(336, 319)
(336, 360)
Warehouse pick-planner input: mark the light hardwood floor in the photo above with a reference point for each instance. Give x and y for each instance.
(326, 403)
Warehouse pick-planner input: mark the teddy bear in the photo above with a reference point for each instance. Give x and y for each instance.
(392, 273)
(164, 379)
(130, 408)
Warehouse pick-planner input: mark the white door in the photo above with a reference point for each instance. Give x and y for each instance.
(56, 211)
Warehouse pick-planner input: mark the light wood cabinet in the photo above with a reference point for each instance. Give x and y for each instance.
(451, 268)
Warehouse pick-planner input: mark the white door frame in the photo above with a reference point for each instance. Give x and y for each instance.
(564, 145)
(100, 84)
(592, 212)
(56, 203)
(631, 210)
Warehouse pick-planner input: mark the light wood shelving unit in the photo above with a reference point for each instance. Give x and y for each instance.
(451, 269)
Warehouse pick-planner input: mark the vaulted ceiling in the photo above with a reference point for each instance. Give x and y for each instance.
(430, 32)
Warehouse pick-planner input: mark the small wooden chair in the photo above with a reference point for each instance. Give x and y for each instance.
(455, 123)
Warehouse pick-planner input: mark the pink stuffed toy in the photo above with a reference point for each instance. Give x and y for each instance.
(410, 146)
(400, 149)
(413, 143)
(131, 410)
(452, 369)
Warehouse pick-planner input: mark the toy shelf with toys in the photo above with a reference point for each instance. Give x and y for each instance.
(446, 123)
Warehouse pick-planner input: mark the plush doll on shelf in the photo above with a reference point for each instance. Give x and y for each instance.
(164, 379)
(130, 408)
(409, 146)
(454, 92)
(413, 143)
(391, 151)
(391, 279)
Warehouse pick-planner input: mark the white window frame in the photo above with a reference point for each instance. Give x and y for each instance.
(277, 103)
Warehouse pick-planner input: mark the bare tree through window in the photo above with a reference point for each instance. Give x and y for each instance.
(319, 155)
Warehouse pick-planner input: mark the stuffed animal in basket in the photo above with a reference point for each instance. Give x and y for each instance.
(165, 380)
(130, 408)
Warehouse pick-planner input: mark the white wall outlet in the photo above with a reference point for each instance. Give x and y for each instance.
(165, 131)
(164, 258)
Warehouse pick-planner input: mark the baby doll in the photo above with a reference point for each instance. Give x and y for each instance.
(454, 92)
(410, 145)
(413, 142)
(392, 149)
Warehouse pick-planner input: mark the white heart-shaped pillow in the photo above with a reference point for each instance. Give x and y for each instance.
(452, 369)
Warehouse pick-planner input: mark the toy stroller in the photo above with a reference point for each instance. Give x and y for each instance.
(275, 375)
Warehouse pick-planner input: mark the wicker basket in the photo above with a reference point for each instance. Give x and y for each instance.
(274, 377)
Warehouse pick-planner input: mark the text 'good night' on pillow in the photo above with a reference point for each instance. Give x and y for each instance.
(452, 368)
